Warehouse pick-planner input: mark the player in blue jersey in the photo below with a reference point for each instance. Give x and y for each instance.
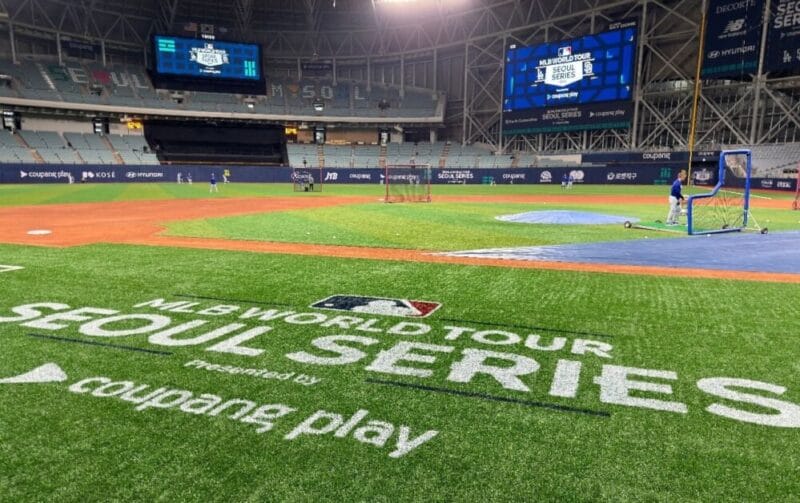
(213, 187)
(675, 198)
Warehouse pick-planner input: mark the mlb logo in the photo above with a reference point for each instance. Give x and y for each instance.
(564, 51)
(378, 305)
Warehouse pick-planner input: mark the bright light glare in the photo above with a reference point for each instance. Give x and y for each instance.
(425, 3)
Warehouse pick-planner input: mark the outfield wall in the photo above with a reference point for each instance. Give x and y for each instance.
(617, 174)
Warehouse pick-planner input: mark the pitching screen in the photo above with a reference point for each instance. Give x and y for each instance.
(211, 59)
(578, 73)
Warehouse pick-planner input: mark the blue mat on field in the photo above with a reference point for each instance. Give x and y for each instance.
(565, 217)
(775, 252)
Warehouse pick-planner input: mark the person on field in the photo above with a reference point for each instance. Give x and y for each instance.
(180, 177)
(675, 198)
(226, 175)
(213, 187)
(570, 180)
(564, 181)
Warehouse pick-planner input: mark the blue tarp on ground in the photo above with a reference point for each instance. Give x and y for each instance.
(566, 217)
(774, 252)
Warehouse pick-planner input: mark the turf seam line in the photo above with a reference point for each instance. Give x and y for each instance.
(484, 396)
(244, 301)
(558, 330)
(102, 344)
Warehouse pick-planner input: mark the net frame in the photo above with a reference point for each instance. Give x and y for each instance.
(732, 209)
(425, 197)
(300, 179)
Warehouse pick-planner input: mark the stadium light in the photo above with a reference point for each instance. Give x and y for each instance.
(425, 3)
(408, 9)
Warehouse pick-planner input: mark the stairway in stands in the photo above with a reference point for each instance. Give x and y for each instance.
(382, 156)
(34, 153)
(445, 155)
(320, 155)
(117, 157)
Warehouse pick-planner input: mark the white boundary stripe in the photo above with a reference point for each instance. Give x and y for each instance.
(742, 194)
(9, 268)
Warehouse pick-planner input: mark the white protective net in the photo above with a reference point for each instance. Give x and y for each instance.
(727, 208)
(408, 183)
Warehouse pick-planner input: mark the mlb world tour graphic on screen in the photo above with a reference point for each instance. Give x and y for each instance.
(386, 347)
(584, 83)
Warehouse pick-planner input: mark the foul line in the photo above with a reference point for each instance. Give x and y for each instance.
(483, 396)
(103, 344)
(244, 301)
(526, 327)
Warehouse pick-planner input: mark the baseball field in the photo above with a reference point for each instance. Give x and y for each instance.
(158, 342)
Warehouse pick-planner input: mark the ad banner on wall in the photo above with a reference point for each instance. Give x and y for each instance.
(660, 172)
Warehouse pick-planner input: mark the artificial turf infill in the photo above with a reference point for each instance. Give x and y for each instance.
(680, 339)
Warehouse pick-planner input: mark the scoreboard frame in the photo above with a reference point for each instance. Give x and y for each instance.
(206, 83)
(575, 115)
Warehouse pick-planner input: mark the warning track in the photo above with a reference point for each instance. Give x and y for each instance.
(141, 222)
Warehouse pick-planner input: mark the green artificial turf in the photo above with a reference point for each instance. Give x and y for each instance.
(436, 226)
(493, 443)
(440, 226)
(22, 194)
(60, 445)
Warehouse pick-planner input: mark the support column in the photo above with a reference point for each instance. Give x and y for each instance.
(501, 148)
(58, 49)
(369, 76)
(299, 69)
(435, 68)
(334, 72)
(103, 53)
(402, 76)
(637, 86)
(585, 133)
(760, 77)
(13, 44)
(464, 95)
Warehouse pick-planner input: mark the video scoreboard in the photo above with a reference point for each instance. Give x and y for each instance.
(207, 59)
(583, 83)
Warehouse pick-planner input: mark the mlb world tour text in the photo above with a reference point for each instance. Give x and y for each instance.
(387, 347)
